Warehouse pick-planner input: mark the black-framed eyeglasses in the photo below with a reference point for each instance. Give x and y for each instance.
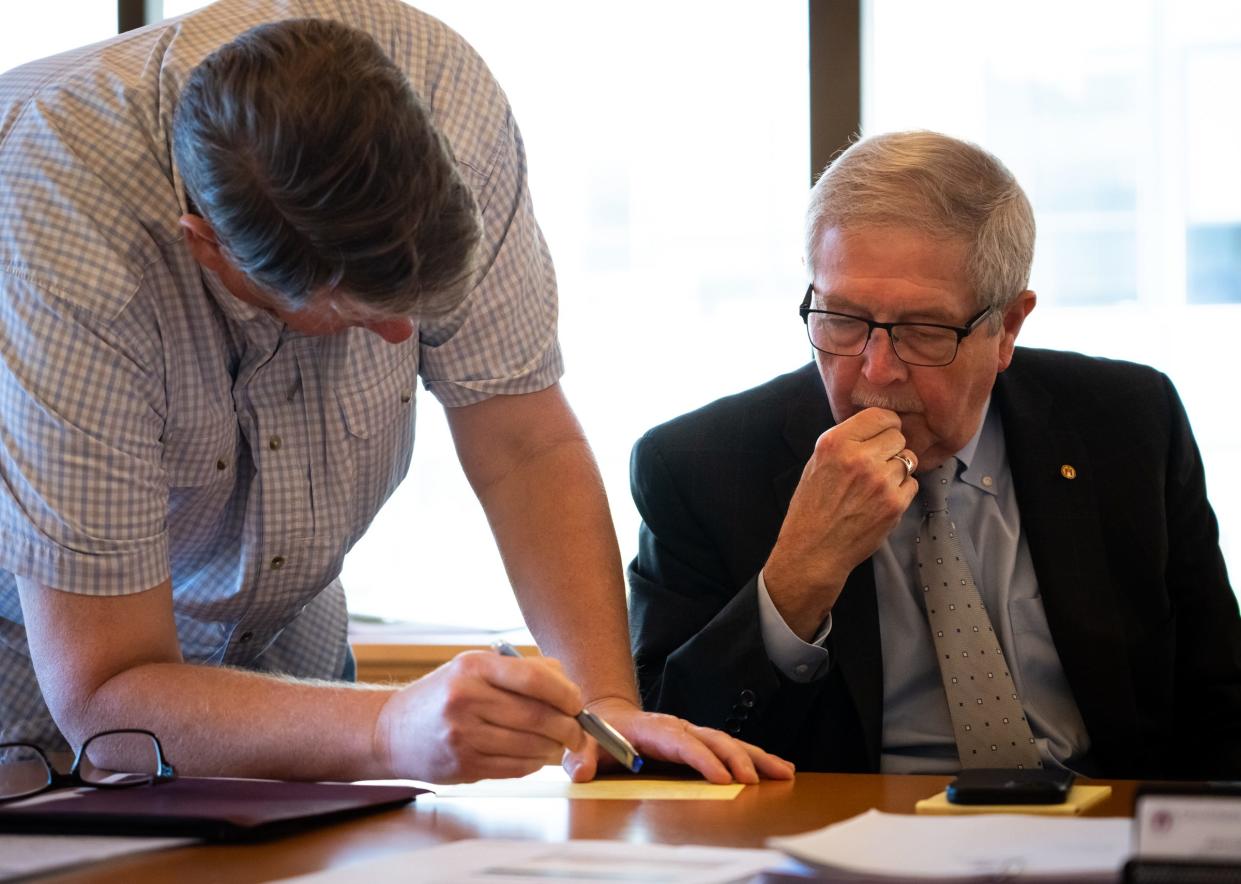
(914, 343)
(117, 759)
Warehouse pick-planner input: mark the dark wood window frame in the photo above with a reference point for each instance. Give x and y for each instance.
(835, 78)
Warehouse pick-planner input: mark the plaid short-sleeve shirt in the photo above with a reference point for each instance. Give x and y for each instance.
(152, 425)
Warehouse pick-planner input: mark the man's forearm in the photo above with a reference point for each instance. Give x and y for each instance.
(552, 524)
(124, 669)
(216, 721)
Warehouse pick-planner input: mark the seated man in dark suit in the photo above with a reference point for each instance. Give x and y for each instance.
(930, 549)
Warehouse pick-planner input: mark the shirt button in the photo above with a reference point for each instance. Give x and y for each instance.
(246, 636)
(748, 698)
(221, 464)
(274, 443)
(802, 668)
(988, 481)
(406, 397)
(277, 563)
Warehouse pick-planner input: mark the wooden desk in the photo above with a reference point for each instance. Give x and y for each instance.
(771, 808)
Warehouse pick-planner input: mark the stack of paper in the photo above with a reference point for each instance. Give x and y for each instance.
(574, 862)
(945, 848)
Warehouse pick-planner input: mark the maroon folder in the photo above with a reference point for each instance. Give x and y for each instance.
(214, 809)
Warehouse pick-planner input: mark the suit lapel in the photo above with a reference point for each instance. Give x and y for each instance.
(1060, 519)
(855, 644)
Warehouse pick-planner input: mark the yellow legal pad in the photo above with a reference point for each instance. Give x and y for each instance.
(553, 782)
(1079, 800)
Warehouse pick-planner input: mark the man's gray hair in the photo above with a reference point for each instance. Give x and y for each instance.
(938, 186)
(306, 150)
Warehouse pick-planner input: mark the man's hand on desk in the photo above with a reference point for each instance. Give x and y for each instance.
(480, 716)
(714, 754)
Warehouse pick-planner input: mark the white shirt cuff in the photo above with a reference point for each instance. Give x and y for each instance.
(800, 661)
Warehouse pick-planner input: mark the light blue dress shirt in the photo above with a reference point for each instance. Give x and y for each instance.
(917, 729)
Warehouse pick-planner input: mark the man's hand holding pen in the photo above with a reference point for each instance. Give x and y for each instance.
(492, 715)
(608, 738)
(717, 756)
(480, 716)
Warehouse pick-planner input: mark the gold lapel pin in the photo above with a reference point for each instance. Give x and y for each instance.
(1068, 471)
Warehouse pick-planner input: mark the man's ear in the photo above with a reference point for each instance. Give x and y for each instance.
(1014, 317)
(203, 245)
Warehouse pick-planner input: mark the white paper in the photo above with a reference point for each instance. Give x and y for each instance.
(902, 846)
(28, 854)
(488, 861)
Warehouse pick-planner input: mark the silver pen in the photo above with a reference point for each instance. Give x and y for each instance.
(609, 737)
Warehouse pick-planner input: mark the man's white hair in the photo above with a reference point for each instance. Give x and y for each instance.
(938, 186)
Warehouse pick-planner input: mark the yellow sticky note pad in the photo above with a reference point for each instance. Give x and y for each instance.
(1080, 799)
(556, 784)
(665, 790)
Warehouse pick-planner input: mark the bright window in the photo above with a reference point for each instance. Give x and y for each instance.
(669, 154)
(1118, 117)
(36, 30)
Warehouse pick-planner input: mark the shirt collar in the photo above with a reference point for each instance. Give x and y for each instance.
(982, 457)
(256, 327)
(234, 308)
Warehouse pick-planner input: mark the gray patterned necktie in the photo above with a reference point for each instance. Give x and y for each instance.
(987, 721)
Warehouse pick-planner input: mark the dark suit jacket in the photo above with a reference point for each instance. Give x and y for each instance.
(1126, 554)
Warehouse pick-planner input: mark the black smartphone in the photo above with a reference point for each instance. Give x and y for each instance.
(994, 785)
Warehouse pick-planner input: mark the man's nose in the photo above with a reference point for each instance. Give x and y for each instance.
(880, 364)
